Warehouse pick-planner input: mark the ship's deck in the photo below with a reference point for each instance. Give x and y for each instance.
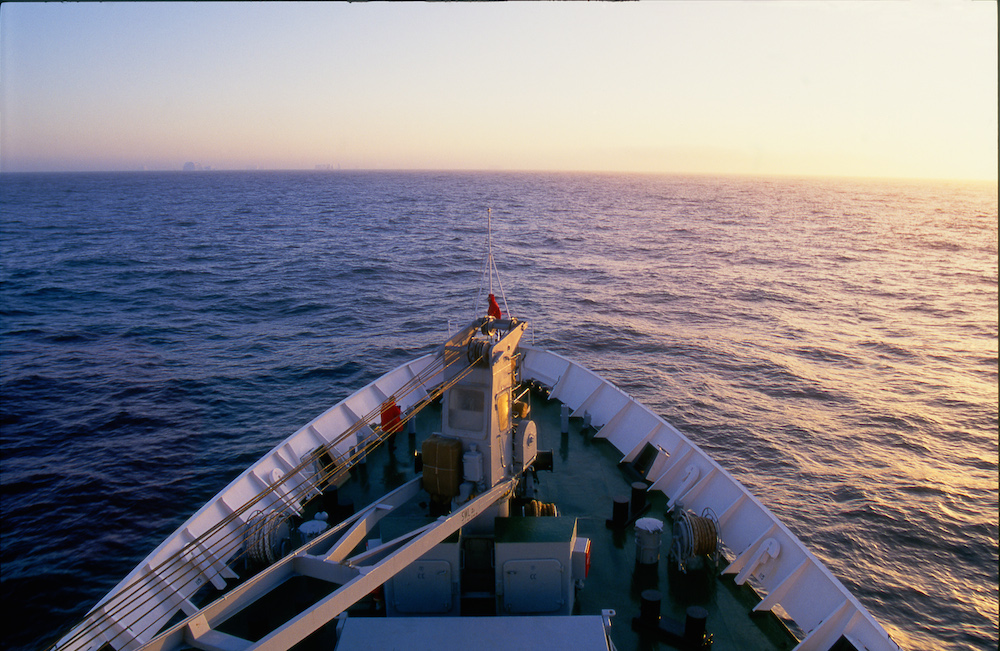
(584, 483)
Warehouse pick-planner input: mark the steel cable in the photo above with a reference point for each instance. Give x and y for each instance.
(310, 483)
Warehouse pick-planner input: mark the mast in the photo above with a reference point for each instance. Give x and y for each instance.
(489, 246)
(490, 271)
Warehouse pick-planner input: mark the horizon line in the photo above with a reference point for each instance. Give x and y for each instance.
(330, 170)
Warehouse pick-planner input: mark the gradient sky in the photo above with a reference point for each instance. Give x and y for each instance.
(883, 89)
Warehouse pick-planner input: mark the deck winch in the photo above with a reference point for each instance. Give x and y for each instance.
(266, 536)
(695, 536)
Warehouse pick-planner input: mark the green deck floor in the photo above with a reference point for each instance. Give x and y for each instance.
(584, 482)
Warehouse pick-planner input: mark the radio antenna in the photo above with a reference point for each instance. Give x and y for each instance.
(490, 269)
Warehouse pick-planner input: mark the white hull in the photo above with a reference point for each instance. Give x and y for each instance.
(782, 568)
(763, 550)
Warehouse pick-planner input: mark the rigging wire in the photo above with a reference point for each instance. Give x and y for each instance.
(503, 294)
(197, 551)
(489, 269)
(270, 489)
(356, 453)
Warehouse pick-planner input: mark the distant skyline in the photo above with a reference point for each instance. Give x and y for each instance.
(859, 89)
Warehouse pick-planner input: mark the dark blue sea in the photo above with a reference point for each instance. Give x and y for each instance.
(833, 344)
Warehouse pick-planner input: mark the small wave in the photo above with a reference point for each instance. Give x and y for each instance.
(846, 493)
(805, 393)
(886, 420)
(762, 296)
(358, 271)
(72, 337)
(343, 371)
(827, 355)
(99, 261)
(128, 420)
(28, 333)
(690, 301)
(951, 247)
(959, 513)
(923, 489)
(52, 291)
(887, 349)
(305, 308)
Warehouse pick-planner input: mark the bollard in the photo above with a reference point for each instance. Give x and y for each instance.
(694, 627)
(649, 608)
(638, 498)
(619, 513)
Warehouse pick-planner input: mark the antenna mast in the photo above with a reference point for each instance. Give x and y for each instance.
(489, 246)
(490, 269)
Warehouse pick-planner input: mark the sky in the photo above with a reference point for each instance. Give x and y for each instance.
(859, 89)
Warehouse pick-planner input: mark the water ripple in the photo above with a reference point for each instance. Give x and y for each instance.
(161, 331)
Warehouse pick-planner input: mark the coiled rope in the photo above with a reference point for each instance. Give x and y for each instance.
(541, 509)
(264, 532)
(699, 535)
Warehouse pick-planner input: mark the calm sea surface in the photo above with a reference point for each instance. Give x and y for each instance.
(831, 343)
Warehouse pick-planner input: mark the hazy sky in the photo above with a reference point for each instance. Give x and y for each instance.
(900, 89)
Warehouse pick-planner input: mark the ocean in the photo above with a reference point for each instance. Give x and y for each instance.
(832, 343)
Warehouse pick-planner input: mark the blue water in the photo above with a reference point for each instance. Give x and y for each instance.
(832, 343)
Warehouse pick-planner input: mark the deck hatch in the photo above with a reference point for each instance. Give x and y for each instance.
(423, 588)
(532, 586)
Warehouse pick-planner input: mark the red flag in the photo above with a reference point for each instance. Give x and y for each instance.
(494, 310)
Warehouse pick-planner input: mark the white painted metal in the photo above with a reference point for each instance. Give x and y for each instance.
(138, 607)
(326, 558)
(533, 585)
(435, 574)
(320, 558)
(783, 569)
(581, 554)
(525, 445)
(425, 587)
(372, 576)
(579, 633)
(487, 425)
(534, 570)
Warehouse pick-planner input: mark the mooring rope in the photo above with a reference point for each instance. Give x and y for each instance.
(700, 535)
